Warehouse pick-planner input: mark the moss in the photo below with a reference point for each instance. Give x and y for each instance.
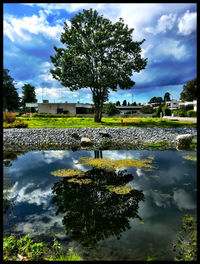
(107, 164)
(165, 195)
(119, 189)
(193, 158)
(80, 181)
(68, 173)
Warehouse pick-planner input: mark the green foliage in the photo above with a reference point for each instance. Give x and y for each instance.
(147, 109)
(191, 113)
(124, 103)
(156, 100)
(110, 109)
(10, 96)
(97, 54)
(187, 240)
(189, 92)
(9, 117)
(166, 111)
(15, 124)
(158, 111)
(106, 144)
(26, 249)
(48, 115)
(167, 97)
(29, 95)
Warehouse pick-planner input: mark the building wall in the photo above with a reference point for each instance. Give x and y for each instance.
(51, 108)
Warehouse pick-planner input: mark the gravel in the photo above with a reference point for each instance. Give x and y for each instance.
(36, 138)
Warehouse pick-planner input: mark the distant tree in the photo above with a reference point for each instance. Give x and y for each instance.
(97, 54)
(189, 92)
(124, 103)
(110, 109)
(10, 95)
(118, 103)
(29, 95)
(167, 97)
(156, 100)
(139, 104)
(147, 109)
(128, 103)
(134, 104)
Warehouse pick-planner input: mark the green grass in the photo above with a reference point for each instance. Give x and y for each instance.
(76, 122)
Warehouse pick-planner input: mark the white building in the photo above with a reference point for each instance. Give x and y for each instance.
(192, 103)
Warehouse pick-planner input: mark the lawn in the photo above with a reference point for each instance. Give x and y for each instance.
(75, 122)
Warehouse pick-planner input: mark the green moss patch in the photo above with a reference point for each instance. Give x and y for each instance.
(68, 173)
(119, 189)
(107, 164)
(193, 158)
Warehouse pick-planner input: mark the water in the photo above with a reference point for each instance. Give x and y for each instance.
(96, 221)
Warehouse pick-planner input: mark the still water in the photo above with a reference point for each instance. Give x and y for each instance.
(94, 216)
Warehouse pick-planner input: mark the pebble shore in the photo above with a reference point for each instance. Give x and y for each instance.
(20, 139)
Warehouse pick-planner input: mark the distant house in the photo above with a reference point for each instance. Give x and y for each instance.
(176, 104)
(192, 103)
(129, 109)
(173, 104)
(63, 108)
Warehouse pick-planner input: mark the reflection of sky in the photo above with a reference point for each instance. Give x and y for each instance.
(168, 190)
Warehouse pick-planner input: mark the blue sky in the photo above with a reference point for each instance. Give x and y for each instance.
(31, 31)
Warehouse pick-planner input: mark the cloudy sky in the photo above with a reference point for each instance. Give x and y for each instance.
(31, 31)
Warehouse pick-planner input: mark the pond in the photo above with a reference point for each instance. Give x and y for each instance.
(107, 205)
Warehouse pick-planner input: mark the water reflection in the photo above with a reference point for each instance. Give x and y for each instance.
(92, 212)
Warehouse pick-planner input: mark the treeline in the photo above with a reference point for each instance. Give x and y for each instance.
(11, 98)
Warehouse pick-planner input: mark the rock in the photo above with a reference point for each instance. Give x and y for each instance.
(74, 135)
(85, 141)
(104, 133)
(183, 141)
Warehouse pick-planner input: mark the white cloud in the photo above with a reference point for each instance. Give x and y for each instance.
(165, 23)
(172, 47)
(18, 29)
(55, 93)
(187, 23)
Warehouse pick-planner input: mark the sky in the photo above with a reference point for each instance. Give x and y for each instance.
(31, 30)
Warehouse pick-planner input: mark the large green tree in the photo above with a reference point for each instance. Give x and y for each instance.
(167, 97)
(29, 95)
(156, 100)
(10, 94)
(98, 55)
(189, 92)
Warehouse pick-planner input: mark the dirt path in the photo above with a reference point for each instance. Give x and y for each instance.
(187, 119)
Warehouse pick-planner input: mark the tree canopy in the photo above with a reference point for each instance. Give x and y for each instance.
(10, 94)
(29, 95)
(97, 55)
(189, 92)
(167, 97)
(156, 100)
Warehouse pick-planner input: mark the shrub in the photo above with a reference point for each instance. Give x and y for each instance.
(166, 111)
(182, 113)
(158, 111)
(110, 109)
(49, 115)
(15, 124)
(191, 113)
(147, 109)
(9, 117)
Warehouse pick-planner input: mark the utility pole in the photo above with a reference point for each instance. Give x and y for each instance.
(171, 101)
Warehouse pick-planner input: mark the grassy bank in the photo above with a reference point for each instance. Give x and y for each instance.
(75, 122)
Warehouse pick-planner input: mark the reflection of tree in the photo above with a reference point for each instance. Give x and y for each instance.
(92, 212)
(9, 156)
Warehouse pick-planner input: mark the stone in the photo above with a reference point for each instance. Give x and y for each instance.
(74, 135)
(104, 133)
(85, 141)
(183, 141)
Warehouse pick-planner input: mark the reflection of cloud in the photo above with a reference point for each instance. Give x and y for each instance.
(46, 223)
(37, 196)
(183, 200)
(51, 156)
(140, 172)
(77, 165)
